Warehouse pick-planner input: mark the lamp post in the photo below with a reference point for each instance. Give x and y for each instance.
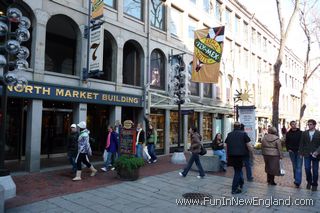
(179, 92)
(12, 60)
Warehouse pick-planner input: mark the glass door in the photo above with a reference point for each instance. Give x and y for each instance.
(55, 129)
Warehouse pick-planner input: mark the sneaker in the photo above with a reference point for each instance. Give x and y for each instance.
(112, 168)
(149, 161)
(155, 161)
(200, 177)
(180, 173)
(104, 169)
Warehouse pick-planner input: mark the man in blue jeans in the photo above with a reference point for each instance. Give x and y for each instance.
(310, 148)
(248, 161)
(292, 142)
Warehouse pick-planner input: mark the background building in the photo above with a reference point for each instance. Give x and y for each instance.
(138, 37)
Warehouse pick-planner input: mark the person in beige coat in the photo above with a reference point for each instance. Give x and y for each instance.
(271, 151)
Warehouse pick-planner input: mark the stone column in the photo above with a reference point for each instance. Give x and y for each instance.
(185, 131)
(80, 113)
(39, 44)
(201, 123)
(115, 115)
(33, 138)
(167, 132)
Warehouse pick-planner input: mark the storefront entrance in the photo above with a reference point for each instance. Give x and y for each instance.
(56, 121)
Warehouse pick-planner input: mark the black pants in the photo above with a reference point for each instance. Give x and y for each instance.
(82, 158)
(270, 178)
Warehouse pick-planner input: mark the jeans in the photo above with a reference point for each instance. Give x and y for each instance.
(237, 178)
(72, 160)
(221, 153)
(248, 164)
(151, 151)
(139, 151)
(110, 159)
(309, 162)
(296, 161)
(194, 158)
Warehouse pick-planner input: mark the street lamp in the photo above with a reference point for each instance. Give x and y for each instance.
(179, 92)
(12, 60)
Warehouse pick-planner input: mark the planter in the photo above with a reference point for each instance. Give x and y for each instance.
(129, 175)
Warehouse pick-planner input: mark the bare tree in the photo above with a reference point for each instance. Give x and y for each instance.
(309, 22)
(284, 32)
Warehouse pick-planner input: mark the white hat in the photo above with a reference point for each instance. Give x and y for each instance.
(73, 126)
(82, 125)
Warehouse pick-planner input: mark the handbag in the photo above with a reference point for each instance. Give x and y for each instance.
(282, 171)
(203, 150)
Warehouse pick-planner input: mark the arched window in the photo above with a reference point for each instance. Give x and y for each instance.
(132, 63)
(109, 58)
(157, 69)
(194, 86)
(61, 45)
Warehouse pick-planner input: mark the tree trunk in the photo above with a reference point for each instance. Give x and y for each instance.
(276, 92)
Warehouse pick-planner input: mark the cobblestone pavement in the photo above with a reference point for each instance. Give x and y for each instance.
(40, 186)
(159, 193)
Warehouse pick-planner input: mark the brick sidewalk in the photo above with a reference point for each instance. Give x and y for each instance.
(39, 186)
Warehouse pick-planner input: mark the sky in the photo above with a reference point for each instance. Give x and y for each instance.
(296, 40)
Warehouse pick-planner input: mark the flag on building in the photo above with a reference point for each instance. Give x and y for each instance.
(208, 46)
(97, 9)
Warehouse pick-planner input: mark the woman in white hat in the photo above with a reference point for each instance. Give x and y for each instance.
(84, 150)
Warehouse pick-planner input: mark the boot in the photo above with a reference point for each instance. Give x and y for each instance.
(93, 171)
(78, 176)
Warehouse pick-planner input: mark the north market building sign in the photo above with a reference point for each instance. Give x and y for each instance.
(73, 94)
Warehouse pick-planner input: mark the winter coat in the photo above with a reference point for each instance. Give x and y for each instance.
(293, 140)
(217, 145)
(195, 143)
(113, 146)
(152, 136)
(83, 142)
(271, 145)
(237, 143)
(72, 145)
(306, 146)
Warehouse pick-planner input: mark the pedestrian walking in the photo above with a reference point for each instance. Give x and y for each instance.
(218, 149)
(140, 141)
(195, 149)
(151, 143)
(237, 143)
(271, 151)
(84, 150)
(292, 142)
(248, 160)
(111, 149)
(309, 148)
(72, 147)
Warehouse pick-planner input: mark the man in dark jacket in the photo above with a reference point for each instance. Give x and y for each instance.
(292, 144)
(237, 148)
(309, 149)
(72, 147)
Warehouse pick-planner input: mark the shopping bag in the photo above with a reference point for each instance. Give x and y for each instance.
(105, 155)
(145, 153)
(282, 171)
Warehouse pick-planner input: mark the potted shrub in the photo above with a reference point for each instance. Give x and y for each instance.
(127, 167)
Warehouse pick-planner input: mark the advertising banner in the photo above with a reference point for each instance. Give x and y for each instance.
(247, 116)
(96, 50)
(208, 46)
